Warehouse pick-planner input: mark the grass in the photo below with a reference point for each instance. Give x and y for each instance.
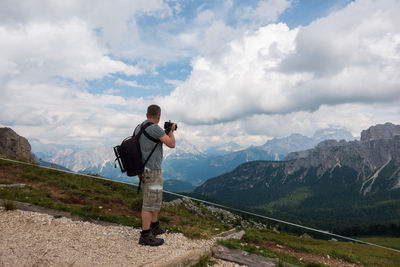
(351, 252)
(195, 226)
(6, 181)
(114, 202)
(204, 262)
(314, 264)
(97, 199)
(260, 242)
(391, 242)
(9, 205)
(293, 199)
(258, 249)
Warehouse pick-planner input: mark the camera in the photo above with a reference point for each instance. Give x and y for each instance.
(168, 126)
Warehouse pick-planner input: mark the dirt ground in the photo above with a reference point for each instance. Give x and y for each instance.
(36, 239)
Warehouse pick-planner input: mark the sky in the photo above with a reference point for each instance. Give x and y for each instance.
(82, 73)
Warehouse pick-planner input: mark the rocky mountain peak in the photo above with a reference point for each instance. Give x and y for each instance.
(14, 145)
(332, 133)
(380, 131)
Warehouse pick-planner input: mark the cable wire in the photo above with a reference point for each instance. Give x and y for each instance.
(214, 204)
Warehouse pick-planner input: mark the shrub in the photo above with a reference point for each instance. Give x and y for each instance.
(9, 205)
(314, 264)
(136, 204)
(164, 219)
(205, 261)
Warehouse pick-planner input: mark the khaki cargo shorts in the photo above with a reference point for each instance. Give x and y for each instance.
(152, 187)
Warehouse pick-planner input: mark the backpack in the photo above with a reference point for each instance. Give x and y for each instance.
(129, 154)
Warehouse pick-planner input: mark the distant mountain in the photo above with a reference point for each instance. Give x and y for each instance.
(223, 149)
(183, 150)
(186, 164)
(100, 161)
(332, 133)
(199, 169)
(51, 165)
(280, 147)
(46, 152)
(81, 160)
(178, 186)
(337, 183)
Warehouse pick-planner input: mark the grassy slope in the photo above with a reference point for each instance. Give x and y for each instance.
(95, 199)
(114, 202)
(391, 242)
(266, 243)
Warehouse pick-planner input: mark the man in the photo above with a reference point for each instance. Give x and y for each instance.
(152, 184)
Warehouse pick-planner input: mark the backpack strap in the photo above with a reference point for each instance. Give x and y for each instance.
(143, 130)
(150, 137)
(143, 126)
(140, 180)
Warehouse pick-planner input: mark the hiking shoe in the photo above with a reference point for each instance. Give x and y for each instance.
(150, 240)
(158, 230)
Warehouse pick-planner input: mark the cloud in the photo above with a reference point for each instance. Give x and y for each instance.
(265, 12)
(39, 51)
(118, 26)
(128, 83)
(351, 56)
(257, 129)
(67, 115)
(48, 52)
(115, 20)
(239, 82)
(174, 82)
(111, 91)
(252, 78)
(365, 33)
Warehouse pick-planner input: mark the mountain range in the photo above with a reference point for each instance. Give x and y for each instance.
(335, 184)
(186, 166)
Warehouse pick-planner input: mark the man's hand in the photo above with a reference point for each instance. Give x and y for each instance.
(173, 128)
(169, 140)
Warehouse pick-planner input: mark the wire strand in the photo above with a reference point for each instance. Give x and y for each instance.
(214, 204)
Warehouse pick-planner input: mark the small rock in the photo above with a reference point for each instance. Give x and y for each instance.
(305, 236)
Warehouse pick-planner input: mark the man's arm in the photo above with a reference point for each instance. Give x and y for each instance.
(169, 140)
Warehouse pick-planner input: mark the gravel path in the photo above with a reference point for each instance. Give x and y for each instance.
(35, 239)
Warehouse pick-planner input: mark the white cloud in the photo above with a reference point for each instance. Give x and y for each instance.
(257, 129)
(351, 56)
(129, 83)
(174, 82)
(248, 83)
(46, 56)
(114, 19)
(239, 82)
(266, 11)
(111, 91)
(39, 51)
(67, 115)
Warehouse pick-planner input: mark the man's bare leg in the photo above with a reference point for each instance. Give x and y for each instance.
(147, 217)
(154, 217)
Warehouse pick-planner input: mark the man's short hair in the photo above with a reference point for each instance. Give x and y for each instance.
(153, 111)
